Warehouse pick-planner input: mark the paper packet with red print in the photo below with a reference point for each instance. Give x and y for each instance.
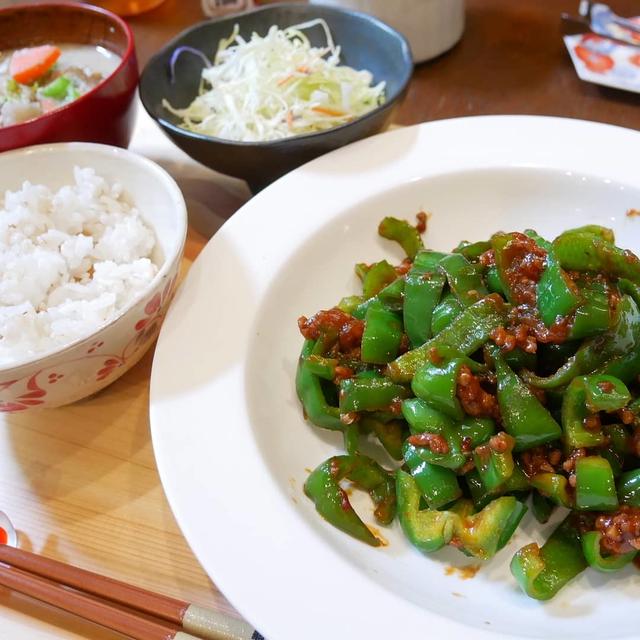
(603, 61)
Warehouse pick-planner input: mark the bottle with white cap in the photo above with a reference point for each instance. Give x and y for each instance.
(431, 26)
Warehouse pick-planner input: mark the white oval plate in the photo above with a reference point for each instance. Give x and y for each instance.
(232, 447)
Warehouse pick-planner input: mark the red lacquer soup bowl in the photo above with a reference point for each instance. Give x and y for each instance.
(106, 113)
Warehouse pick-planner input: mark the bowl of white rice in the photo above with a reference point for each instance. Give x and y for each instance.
(91, 239)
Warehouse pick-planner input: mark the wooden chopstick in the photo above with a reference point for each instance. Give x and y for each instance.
(196, 620)
(102, 612)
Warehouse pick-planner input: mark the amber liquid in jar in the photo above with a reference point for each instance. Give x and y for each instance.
(128, 7)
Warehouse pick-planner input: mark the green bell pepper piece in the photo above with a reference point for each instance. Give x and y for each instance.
(467, 333)
(523, 415)
(477, 430)
(324, 368)
(595, 485)
(604, 233)
(361, 269)
(593, 316)
(445, 312)
(351, 438)
(542, 572)
(382, 335)
(472, 250)
(590, 252)
(453, 459)
(405, 234)
(516, 483)
(623, 339)
(311, 395)
(553, 486)
(465, 278)
(332, 502)
(421, 295)
(517, 359)
(556, 294)
(615, 461)
(605, 393)
(369, 394)
(541, 507)
(377, 277)
(427, 261)
(629, 488)
(585, 396)
(626, 368)
(618, 438)
(495, 465)
(630, 288)
(349, 304)
(480, 535)
(438, 485)
(391, 434)
(437, 384)
(494, 282)
(390, 297)
(593, 554)
(424, 419)
(483, 534)
(428, 530)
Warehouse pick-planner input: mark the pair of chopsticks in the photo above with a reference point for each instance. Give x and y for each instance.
(129, 610)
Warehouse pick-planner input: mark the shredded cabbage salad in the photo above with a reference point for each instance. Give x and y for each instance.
(277, 86)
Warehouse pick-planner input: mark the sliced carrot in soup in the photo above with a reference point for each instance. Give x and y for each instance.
(27, 65)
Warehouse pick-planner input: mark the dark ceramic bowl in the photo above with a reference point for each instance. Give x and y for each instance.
(367, 43)
(106, 113)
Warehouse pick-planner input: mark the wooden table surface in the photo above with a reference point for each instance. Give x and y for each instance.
(80, 482)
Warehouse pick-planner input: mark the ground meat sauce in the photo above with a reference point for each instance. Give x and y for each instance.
(592, 422)
(543, 459)
(433, 441)
(488, 258)
(626, 416)
(421, 225)
(519, 338)
(527, 315)
(474, 399)
(524, 262)
(404, 267)
(569, 465)
(499, 443)
(620, 530)
(342, 373)
(334, 322)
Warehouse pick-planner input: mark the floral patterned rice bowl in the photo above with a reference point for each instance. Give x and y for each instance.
(71, 372)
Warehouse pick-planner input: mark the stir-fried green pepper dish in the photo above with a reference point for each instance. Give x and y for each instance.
(503, 372)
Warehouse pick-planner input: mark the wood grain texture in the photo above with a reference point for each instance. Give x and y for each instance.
(512, 59)
(80, 482)
(81, 486)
